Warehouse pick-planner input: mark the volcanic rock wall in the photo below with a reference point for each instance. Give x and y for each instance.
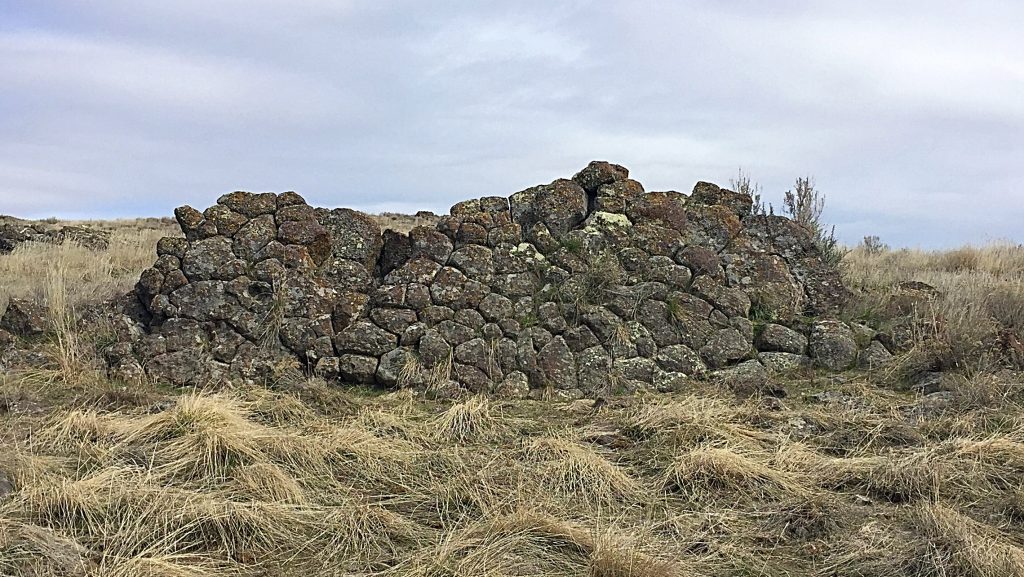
(578, 287)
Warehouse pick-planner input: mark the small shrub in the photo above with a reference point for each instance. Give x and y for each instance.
(805, 205)
(743, 184)
(872, 244)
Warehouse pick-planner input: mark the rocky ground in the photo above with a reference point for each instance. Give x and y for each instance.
(902, 463)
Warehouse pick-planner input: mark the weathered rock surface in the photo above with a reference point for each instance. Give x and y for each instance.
(578, 287)
(777, 338)
(24, 318)
(833, 345)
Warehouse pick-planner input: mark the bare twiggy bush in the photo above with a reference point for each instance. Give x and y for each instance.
(804, 204)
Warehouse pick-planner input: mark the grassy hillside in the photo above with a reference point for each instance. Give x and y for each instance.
(854, 474)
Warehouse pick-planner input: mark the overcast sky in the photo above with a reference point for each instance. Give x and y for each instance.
(909, 114)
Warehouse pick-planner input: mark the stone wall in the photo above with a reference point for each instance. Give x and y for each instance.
(579, 287)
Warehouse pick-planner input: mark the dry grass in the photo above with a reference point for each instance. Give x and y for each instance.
(974, 321)
(217, 483)
(28, 272)
(305, 478)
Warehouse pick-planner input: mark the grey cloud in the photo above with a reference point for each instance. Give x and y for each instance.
(908, 115)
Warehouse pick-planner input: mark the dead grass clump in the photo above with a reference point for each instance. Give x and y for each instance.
(241, 530)
(72, 428)
(689, 421)
(78, 504)
(575, 471)
(924, 357)
(996, 459)
(878, 550)
(365, 533)
(165, 565)
(846, 433)
(965, 547)
(267, 482)
(27, 549)
(528, 543)
(468, 420)
(24, 467)
(400, 423)
(705, 472)
(356, 455)
(276, 408)
(201, 438)
(1012, 505)
(984, 391)
(808, 517)
(896, 478)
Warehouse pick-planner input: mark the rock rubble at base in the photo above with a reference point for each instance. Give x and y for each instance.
(581, 287)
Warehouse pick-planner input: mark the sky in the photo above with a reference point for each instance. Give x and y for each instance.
(908, 114)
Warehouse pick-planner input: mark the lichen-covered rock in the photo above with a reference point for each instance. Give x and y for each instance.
(783, 362)
(707, 193)
(748, 377)
(724, 347)
(249, 204)
(681, 359)
(594, 366)
(832, 345)
(875, 355)
(364, 338)
(398, 367)
(559, 206)
(777, 235)
(558, 364)
(354, 235)
(599, 173)
(212, 259)
(615, 197)
(665, 209)
(180, 368)
(227, 221)
(514, 386)
(778, 338)
(357, 368)
(205, 300)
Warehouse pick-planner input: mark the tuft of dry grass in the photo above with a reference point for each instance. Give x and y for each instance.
(571, 469)
(470, 419)
(706, 472)
(960, 545)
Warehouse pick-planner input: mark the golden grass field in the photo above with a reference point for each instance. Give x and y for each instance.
(848, 475)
